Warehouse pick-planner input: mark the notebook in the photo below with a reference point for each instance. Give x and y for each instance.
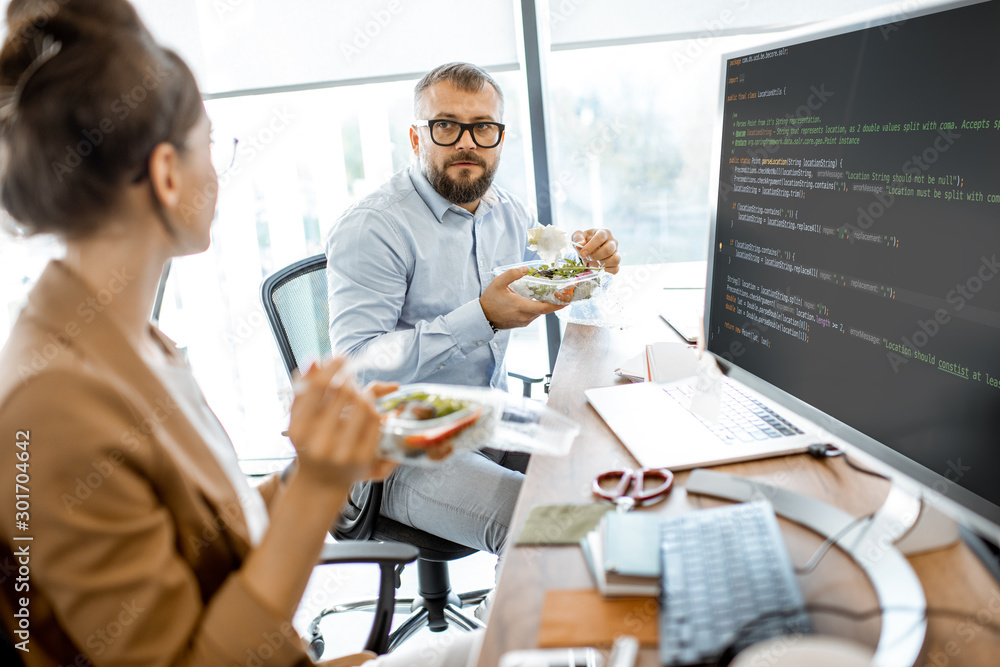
(655, 424)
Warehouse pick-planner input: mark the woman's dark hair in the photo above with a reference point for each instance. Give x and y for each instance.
(85, 96)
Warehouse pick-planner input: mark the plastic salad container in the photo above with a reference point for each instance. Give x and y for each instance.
(418, 419)
(559, 283)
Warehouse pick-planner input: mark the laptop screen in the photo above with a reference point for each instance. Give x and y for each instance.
(855, 249)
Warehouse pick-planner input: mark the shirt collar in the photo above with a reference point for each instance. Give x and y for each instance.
(438, 204)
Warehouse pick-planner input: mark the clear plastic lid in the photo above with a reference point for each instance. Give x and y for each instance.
(418, 419)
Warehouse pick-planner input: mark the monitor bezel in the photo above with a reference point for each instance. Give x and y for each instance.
(961, 504)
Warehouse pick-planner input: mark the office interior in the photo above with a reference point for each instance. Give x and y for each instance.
(612, 112)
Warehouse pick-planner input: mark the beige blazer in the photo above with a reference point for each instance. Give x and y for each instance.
(132, 535)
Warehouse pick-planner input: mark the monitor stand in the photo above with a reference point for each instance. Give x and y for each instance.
(900, 594)
(911, 523)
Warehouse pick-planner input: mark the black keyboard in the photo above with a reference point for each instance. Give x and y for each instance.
(742, 418)
(727, 583)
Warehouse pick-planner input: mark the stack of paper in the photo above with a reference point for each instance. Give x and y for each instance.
(661, 362)
(623, 554)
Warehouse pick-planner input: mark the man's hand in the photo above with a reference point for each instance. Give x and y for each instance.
(598, 245)
(507, 310)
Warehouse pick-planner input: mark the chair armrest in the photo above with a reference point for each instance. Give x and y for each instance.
(532, 379)
(388, 553)
(388, 556)
(527, 381)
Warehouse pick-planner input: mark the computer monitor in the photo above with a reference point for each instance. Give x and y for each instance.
(855, 270)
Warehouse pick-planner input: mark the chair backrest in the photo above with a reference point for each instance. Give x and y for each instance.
(295, 301)
(297, 309)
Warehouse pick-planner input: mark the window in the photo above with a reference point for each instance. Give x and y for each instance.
(631, 130)
(322, 119)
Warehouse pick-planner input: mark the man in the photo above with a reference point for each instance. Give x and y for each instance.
(413, 297)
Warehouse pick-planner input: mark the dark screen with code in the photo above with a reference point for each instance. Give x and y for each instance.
(857, 233)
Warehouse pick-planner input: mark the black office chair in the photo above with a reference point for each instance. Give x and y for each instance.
(295, 301)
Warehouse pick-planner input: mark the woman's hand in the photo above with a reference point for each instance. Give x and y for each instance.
(334, 426)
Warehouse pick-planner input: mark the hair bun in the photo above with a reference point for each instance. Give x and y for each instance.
(86, 93)
(91, 15)
(36, 25)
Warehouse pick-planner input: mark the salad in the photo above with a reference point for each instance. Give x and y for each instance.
(559, 282)
(424, 423)
(416, 422)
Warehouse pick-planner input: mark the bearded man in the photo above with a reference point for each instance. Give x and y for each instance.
(413, 297)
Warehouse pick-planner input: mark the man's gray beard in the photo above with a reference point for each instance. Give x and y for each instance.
(455, 192)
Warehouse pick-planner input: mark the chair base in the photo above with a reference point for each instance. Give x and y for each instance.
(422, 610)
(426, 614)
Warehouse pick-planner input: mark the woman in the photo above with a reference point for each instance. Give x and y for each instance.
(147, 545)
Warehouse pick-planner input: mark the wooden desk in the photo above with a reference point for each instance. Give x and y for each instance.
(953, 578)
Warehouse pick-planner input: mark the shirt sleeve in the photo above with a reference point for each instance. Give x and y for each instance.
(369, 266)
(105, 549)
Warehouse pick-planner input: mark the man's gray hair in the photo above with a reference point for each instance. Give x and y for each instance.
(464, 76)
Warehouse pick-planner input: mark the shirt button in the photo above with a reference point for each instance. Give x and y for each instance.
(479, 342)
(440, 367)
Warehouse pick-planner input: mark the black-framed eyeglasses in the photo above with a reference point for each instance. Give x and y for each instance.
(446, 132)
(223, 158)
(223, 155)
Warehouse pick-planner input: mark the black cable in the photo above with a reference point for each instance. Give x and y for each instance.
(832, 540)
(866, 471)
(827, 451)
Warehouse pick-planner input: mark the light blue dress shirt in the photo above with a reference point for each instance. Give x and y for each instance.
(405, 270)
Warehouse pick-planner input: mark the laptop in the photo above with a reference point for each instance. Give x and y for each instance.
(657, 427)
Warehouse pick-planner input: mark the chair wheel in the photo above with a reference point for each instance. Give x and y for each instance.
(316, 648)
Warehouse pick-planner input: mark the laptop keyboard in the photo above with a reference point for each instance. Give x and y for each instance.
(727, 583)
(742, 418)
